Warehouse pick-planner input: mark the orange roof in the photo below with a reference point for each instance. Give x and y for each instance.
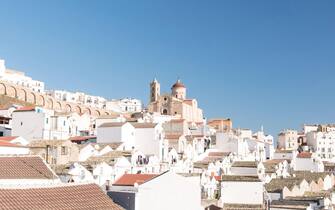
(8, 144)
(25, 108)
(8, 138)
(82, 138)
(304, 155)
(79, 197)
(178, 84)
(131, 179)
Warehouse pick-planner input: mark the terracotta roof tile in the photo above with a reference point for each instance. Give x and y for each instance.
(131, 179)
(24, 167)
(173, 136)
(304, 155)
(81, 138)
(112, 124)
(144, 125)
(8, 138)
(25, 109)
(79, 197)
(9, 144)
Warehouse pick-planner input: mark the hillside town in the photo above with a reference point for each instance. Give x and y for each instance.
(64, 149)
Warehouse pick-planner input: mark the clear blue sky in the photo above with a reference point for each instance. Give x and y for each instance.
(268, 63)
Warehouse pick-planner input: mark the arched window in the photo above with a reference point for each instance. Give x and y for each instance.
(165, 112)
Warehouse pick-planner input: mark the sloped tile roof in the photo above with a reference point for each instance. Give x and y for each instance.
(79, 197)
(8, 138)
(9, 144)
(144, 125)
(245, 164)
(131, 179)
(24, 167)
(304, 155)
(112, 124)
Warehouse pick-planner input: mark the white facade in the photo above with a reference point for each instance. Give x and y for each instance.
(124, 105)
(308, 164)
(39, 123)
(116, 133)
(323, 144)
(149, 139)
(165, 192)
(239, 192)
(19, 78)
(79, 98)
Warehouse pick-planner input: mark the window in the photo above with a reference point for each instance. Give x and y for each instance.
(165, 112)
(21, 123)
(64, 150)
(47, 120)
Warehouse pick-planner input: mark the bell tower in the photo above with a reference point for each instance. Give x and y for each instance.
(155, 89)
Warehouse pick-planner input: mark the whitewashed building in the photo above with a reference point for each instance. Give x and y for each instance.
(38, 123)
(241, 190)
(322, 143)
(152, 191)
(150, 139)
(19, 78)
(124, 105)
(118, 132)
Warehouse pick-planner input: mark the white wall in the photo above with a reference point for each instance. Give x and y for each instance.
(14, 150)
(29, 125)
(169, 191)
(147, 140)
(125, 133)
(307, 164)
(242, 192)
(244, 171)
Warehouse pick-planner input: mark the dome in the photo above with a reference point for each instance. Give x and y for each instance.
(178, 84)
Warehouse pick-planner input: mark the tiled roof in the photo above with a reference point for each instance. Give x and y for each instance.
(144, 125)
(277, 185)
(289, 204)
(9, 144)
(112, 124)
(79, 197)
(131, 179)
(24, 167)
(304, 155)
(310, 176)
(8, 138)
(232, 206)
(236, 178)
(219, 154)
(25, 109)
(82, 138)
(178, 84)
(245, 164)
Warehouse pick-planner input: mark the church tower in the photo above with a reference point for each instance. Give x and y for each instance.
(155, 89)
